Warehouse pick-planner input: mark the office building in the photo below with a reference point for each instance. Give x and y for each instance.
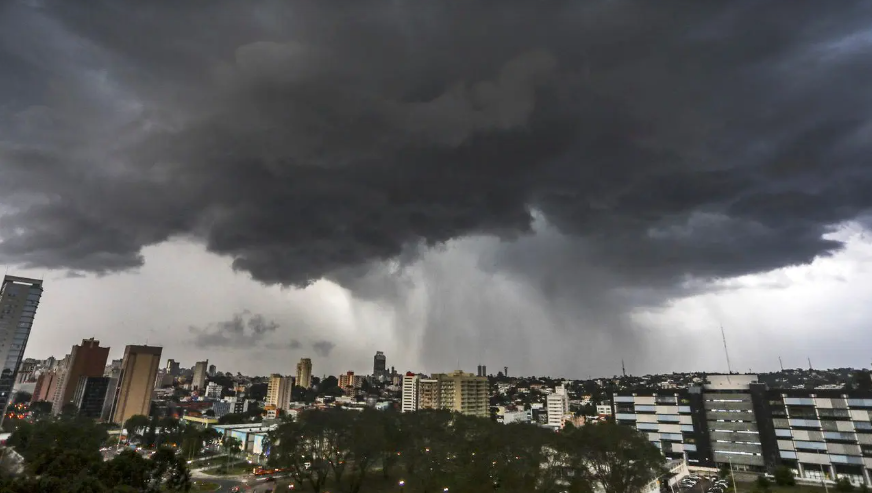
(61, 375)
(199, 380)
(45, 383)
(410, 393)
(90, 395)
(163, 380)
(87, 359)
(212, 370)
(278, 392)
(109, 401)
(232, 405)
(379, 366)
(213, 390)
(733, 420)
(19, 299)
(173, 367)
(557, 406)
(304, 373)
(136, 383)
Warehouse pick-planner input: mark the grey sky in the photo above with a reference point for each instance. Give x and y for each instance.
(550, 187)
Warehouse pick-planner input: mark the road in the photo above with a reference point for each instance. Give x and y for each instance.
(247, 485)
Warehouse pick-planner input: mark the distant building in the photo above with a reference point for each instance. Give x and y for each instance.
(379, 366)
(212, 370)
(510, 417)
(90, 395)
(557, 406)
(136, 383)
(199, 380)
(278, 393)
(304, 373)
(213, 390)
(410, 394)
(604, 409)
(482, 371)
(457, 391)
(45, 385)
(109, 401)
(173, 367)
(347, 381)
(19, 299)
(87, 359)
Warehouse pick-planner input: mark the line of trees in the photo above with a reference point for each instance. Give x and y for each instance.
(430, 451)
(63, 456)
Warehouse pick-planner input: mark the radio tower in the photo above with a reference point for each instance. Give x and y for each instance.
(623, 368)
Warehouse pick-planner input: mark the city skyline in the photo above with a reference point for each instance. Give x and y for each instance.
(550, 194)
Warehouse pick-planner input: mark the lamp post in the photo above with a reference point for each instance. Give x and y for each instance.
(402, 485)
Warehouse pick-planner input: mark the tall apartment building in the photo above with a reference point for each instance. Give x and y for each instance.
(411, 393)
(213, 370)
(557, 406)
(136, 383)
(735, 420)
(464, 393)
(61, 368)
(45, 383)
(87, 359)
(278, 392)
(19, 299)
(199, 380)
(428, 393)
(346, 381)
(304, 373)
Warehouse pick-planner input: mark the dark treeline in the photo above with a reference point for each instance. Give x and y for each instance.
(432, 450)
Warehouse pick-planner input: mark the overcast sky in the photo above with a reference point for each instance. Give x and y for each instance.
(552, 187)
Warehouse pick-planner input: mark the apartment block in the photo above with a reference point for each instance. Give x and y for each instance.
(278, 393)
(304, 373)
(411, 393)
(136, 383)
(87, 359)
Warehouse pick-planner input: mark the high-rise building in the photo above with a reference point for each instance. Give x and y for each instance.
(173, 367)
(199, 380)
(136, 383)
(212, 370)
(457, 391)
(347, 380)
(304, 373)
(278, 392)
(109, 400)
(61, 375)
(90, 395)
(557, 405)
(464, 393)
(19, 299)
(482, 371)
(411, 393)
(87, 359)
(44, 383)
(379, 365)
(213, 390)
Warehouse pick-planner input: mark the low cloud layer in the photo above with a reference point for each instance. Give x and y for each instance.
(323, 348)
(594, 157)
(244, 330)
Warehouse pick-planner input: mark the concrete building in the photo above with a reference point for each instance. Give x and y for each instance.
(109, 401)
(604, 409)
(411, 393)
(463, 392)
(87, 359)
(90, 395)
(61, 375)
(428, 394)
(19, 299)
(347, 381)
(199, 380)
(278, 392)
(234, 404)
(304, 373)
(136, 383)
(173, 368)
(212, 370)
(379, 366)
(482, 371)
(213, 390)
(45, 383)
(557, 407)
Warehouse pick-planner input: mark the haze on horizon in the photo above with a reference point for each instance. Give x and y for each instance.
(551, 187)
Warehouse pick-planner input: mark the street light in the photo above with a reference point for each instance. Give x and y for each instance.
(402, 485)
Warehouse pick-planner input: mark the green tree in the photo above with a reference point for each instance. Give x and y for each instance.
(168, 472)
(619, 458)
(784, 476)
(301, 446)
(127, 469)
(844, 485)
(136, 425)
(761, 485)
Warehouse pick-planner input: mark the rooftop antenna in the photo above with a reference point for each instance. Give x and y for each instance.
(809, 364)
(506, 371)
(623, 368)
(780, 363)
(726, 353)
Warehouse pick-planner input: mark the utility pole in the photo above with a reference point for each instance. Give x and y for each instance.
(780, 363)
(726, 353)
(809, 364)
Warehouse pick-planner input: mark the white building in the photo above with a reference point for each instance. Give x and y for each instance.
(411, 393)
(213, 390)
(604, 409)
(510, 417)
(557, 407)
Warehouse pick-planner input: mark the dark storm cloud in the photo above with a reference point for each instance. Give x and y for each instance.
(294, 344)
(663, 142)
(244, 330)
(323, 348)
